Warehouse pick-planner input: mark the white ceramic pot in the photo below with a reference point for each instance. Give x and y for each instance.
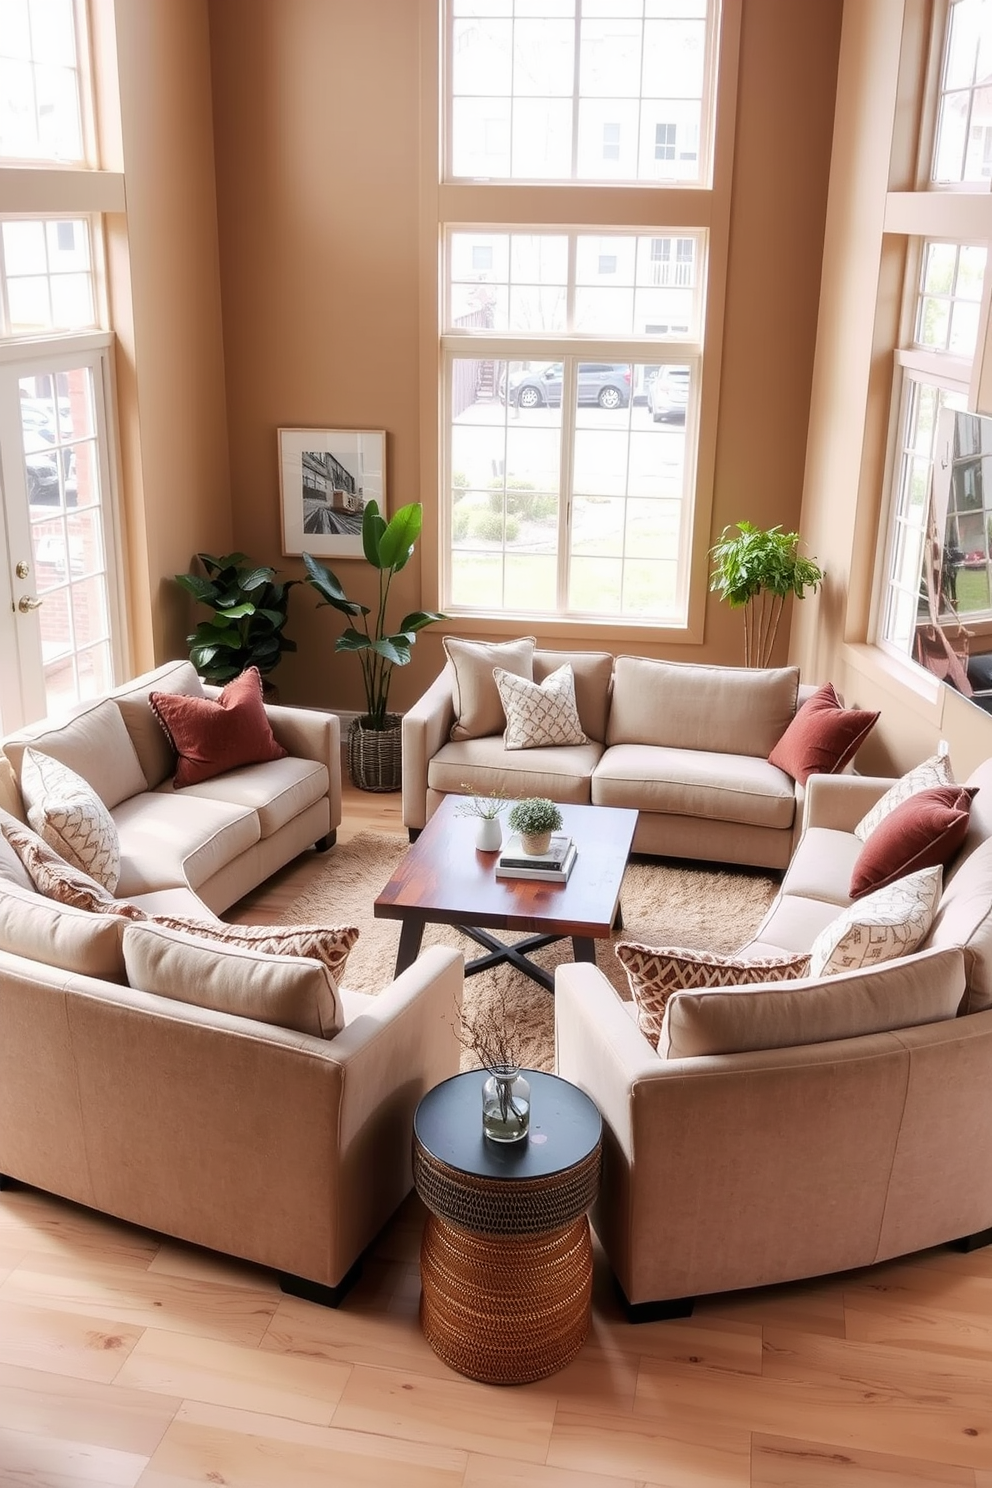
(489, 834)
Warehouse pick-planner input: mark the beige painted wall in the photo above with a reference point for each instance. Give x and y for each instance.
(165, 293)
(316, 110)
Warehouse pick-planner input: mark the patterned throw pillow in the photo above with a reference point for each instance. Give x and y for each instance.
(891, 922)
(328, 944)
(655, 972)
(539, 714)
(68, 814)
(59, 880)
(934, 771)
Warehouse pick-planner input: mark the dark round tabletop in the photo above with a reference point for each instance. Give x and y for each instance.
(565, 1127)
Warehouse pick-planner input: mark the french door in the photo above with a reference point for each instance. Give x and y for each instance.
(60, 588)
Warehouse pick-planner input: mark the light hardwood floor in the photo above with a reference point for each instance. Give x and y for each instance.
(129, 1359)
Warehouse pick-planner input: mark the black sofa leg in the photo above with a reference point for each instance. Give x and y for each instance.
(6, 1182)
(655, 1312)
(323, 843)
(413, 833)
(973, 1242)
(314, 1291)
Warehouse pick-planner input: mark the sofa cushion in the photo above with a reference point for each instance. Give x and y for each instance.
(71, 818)
(925, 988)
(964, 918)
(169, 839)
(792, 924)
(72, 939)
(923, 831)
(277, 791)
(655, 972)
(822, 865)
(12, 869)
(483, 767)
(593, 673)
(892, 921)
(213, 735)
(539, 715)
(286, 991)
(152, 744)
(935, 771)
(478, 710)
(725, 710)
(695, 782)
(94, 743)
(328, 944)
(822, 737)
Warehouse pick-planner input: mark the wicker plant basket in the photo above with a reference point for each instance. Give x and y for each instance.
(375, 758)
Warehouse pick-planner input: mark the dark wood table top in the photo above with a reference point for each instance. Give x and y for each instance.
(446, 879)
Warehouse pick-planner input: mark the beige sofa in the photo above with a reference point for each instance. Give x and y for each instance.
(738, 1169)
(685, 745)
(205, 845)
(262, 1141)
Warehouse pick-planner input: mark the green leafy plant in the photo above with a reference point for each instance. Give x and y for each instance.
(250, 612)
(756, 570)
(534, 815)
(388, 547)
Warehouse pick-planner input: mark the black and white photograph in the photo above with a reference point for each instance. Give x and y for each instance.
(326, 476)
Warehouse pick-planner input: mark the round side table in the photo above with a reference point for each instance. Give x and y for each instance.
(506, 1260)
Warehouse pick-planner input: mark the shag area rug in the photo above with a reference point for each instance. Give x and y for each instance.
(663, 903)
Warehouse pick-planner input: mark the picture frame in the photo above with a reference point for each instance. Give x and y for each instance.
(325, 478)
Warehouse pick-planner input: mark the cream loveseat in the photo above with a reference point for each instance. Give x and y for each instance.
(725, 1170)
(222, 1128)
(685, 745)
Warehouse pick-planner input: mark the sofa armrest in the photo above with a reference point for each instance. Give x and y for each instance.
(840, 801)
(426, 727)
(312, 735)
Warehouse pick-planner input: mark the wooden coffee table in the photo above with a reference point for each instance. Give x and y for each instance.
(444, 879)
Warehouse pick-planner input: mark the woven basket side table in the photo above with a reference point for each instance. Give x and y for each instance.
(506, 1259)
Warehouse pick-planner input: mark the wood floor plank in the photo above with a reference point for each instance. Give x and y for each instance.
(877, 1368)
(41, 1222)
(143, 1298)
(498, 1472)
(671, 1454)
(839, 1411)
(213, 1445)
(876, 1318)
(174, 1258)
(64, 1343)
(453, 1412)
(204, 1369)
(782, 1462)
(810, 1309)
(30, 1458)
(130, 1421)
(383, 1340)
(945, 1290)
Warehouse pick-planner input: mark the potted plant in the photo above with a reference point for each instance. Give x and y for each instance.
(487, 810)
(250, 613)
(374, 758)
(751, 564)
(535, 818)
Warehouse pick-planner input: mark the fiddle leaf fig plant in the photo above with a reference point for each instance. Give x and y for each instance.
(388, 547)
(756, 570)
(250, 612)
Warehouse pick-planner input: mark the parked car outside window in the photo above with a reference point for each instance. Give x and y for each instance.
(606, 384)
(668, 394)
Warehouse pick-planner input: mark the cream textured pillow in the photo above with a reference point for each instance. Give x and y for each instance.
(281, 990)
(934, 771)
(654, 973)
(892, 921)
(69, 815)
(478, 710)
(539, 714)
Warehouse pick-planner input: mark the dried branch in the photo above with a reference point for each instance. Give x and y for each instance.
(490, 1033)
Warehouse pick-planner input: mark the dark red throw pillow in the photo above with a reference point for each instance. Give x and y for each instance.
(822, 737)
(922, 832)
(213, 736)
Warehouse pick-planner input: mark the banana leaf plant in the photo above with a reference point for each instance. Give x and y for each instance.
(388, 547)
(250, 612)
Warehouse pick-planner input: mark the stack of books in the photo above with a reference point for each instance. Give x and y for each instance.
(554, 866)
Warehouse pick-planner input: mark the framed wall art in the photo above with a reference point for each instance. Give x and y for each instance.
(325, 478)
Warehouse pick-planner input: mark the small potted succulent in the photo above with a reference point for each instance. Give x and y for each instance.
(535, 818)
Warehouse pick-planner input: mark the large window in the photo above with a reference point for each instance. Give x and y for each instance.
(573, 356)
(963, 147)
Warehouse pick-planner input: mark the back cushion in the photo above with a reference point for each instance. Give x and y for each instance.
(95, 744)
(72, 939)
(12, 870)
(964, 918)
(593, 671)
(478, 710)
(674, 705)
(151, 743)
(925, 988)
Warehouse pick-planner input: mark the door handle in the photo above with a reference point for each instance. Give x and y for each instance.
(28, 602)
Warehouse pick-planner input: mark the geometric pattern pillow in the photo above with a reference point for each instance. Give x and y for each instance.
(892, 921)
(932, 772)
(65, 810)
(59, 880)
(655, 972)
(539, 714)
(329, 944)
